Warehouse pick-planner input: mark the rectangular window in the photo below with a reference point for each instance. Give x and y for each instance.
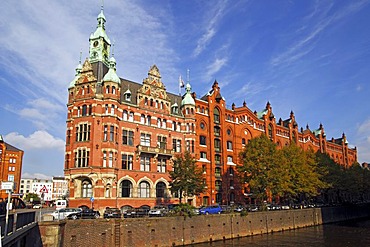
(162, 142)
(104, 159)
(128, 137)
(218, 159)
(127, 161)
(110, 159)
(202, 140)
(145, 163)
(217, 145)
(188, 145)
(105, 133)
(229, 145)
(229, 159)
(176, 145)
(111, 136)
(10, 177)
(203, 155)
(145, 139)
(161, 165)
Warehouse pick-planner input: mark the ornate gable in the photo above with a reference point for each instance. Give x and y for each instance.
(153, 89)
(87, 74)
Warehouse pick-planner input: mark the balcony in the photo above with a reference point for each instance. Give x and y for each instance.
(154, 150)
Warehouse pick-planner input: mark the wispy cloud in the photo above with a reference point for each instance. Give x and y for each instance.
(305, 43)
(210, 29)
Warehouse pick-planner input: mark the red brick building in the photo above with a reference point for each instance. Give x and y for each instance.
(122, 135)
(10, 166)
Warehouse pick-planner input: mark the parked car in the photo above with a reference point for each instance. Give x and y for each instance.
(136, 212)
(213, 209)
(84, 214)
(37, 206)
(158, 211)
(253, 208)
(112, 213)
(239, 208)
(62, 213)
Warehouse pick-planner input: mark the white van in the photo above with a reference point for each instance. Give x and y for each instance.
(60, 204)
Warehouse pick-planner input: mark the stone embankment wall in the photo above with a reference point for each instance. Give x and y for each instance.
(177, 231)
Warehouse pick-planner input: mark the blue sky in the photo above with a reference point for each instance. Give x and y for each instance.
(311, 57)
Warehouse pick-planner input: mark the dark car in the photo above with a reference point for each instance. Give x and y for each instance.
(136, 212)
(112, 213)
(84, 214)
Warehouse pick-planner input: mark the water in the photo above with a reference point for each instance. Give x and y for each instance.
(344, 234)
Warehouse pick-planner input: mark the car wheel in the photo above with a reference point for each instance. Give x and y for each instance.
(207, 213)
(74, 217)
(219, 212)
(96, 216)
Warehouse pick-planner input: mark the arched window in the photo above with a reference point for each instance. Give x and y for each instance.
(159, 122)
(151, 102)
(160, 190)
(142, 119)
(131, 117)
(107, 191)
(84, 110)
(144, 189)
(270, 131)
(125, 188)
(86, 188)
(124, 115)
(146, 101)
(107, 89)
(113, 90)
(216, 115)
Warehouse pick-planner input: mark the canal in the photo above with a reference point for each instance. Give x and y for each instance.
(344, 234)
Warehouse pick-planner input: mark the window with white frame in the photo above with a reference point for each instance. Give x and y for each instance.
(110, 164)
(128, 137)
(124, 115)
(104, 159)
(127, 161)
(144, 189)
(145, 163)
(145, 139)
(131, 117)
(161, 165)
(162, 142)
(229, 145)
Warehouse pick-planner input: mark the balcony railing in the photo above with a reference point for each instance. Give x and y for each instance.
(154, 150)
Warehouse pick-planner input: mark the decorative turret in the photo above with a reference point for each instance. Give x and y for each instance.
(112, 76)
(77, 75)
(99, 42)
(188, 99)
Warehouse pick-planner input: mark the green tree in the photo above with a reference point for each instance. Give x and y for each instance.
(305, 176)
(258, 169)
(32, 197)
(187, 178)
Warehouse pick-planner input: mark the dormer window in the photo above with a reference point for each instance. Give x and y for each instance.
(128, 97)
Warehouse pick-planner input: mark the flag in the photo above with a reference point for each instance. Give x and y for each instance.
(181, 82)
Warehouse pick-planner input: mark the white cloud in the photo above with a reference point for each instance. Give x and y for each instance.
(215, 67)
(37, 140)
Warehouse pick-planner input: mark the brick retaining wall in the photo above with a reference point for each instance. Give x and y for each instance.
(171, 231)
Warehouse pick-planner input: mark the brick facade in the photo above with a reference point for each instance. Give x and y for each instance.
(11, 159)
(121, 136)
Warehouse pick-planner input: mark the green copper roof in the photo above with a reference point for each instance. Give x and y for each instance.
(188, 99)
(77, 75)
(112, 75)
(260, 114)
(100, 30)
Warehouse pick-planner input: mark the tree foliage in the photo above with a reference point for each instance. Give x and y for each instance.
(289, 173)
(186, 177)
(32, 197)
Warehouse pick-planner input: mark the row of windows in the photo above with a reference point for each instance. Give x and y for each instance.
(203, 155)
(126, 189)
(12, 160)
